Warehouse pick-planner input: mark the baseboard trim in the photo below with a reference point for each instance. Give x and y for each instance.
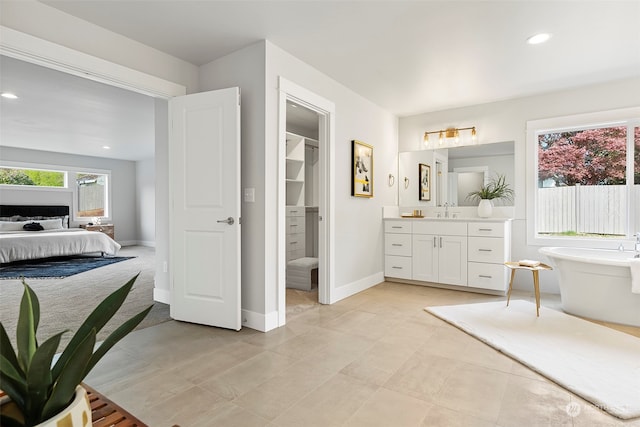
(162, 295)
(128, 242)
(258, 321)
(344, 291)
(147, 243)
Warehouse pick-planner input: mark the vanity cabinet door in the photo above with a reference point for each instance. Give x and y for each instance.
(425, 257)
(452, 260)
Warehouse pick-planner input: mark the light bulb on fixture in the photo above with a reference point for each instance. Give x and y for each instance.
(451, 136)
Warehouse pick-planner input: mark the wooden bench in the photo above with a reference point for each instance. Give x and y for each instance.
(105, 413)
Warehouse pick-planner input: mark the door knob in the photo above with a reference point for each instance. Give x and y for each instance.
(228, 220)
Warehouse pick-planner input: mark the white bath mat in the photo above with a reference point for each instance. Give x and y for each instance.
(595, 362)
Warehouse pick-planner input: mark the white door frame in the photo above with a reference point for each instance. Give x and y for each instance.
(326, 228)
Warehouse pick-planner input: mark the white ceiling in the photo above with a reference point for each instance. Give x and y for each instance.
(62, 113)
(408, 57)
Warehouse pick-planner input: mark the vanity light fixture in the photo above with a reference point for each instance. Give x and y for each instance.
(450, 133)
(9, 95)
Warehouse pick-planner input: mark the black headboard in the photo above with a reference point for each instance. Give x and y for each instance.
(33, 210)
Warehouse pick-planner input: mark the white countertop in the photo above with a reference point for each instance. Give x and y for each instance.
(475, 219)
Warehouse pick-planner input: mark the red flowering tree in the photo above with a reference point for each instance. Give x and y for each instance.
(588, 157)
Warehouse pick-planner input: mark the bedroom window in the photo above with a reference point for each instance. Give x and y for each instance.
(32, 177)
(87, 190)
(92, 194)
(586, 177)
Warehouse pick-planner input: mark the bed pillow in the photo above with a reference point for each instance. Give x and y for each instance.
(51, 224)
(19, 218)
(12, 225)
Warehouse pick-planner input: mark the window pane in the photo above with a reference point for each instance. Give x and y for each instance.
(581, 183)
(91, 194)
(35, 177)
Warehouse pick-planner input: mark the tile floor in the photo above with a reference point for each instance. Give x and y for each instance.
(374, 359)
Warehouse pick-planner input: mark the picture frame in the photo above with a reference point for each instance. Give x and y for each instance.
(362, 169)
(424, 178)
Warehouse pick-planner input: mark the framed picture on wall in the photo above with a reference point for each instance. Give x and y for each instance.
(424, 177)
(362, 165)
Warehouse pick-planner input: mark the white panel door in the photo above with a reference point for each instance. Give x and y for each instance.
(425, 258)
(453, 260)
(204, 176)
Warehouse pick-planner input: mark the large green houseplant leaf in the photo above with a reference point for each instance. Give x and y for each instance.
(38, 389)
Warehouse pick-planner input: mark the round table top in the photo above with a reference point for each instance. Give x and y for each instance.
(516, 264)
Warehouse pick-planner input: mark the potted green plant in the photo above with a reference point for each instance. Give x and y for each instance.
(40, 391)
(496, 188)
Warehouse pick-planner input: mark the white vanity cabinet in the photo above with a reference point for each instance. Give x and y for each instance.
(489, 249)
(440, 252)
(467, 254)
(397, 249)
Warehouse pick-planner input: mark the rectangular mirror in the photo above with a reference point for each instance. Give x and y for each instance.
(455, 172)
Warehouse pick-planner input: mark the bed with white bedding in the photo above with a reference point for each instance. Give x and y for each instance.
(54, 240)
(23, 245)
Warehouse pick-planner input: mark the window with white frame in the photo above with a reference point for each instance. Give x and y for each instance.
(90, 187)
(585, 180)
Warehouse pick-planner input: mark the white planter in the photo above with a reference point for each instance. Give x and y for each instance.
(485, 208)
(77, 414)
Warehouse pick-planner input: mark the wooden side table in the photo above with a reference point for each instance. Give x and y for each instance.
(514, 265)
(108, 229)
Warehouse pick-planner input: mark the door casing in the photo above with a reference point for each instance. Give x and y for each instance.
(289, 91)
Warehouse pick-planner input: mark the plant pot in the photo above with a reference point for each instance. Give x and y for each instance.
(77, 414)
(485, 208)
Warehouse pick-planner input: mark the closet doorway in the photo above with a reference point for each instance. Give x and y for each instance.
(305, 202)
(301, 208)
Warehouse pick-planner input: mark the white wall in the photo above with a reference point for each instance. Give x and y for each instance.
(506, 121)
(161, 290)
(123, 192)
(358, 221)
(45, 22)
(359, 244)
(146, 202)
(245, 68)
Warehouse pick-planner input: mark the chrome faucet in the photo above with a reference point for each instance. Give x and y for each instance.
(637, 245)
(446, 210)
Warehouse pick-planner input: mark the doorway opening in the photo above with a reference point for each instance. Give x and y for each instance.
(301, 208)
(305, 201)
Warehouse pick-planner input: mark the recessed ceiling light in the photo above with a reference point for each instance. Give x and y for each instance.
(539, 38)
(106, 147)
(8, 95)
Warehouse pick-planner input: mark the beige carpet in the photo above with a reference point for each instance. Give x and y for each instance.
(65, 303)
(600, 364)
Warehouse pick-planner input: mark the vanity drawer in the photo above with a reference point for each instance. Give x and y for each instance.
(441, 228)
(486, 249)
(487, 276)
(295, 241)
(397, 227)
(397, 244)
(295, 210)
(295, 224)
(397, 266)
(486, 229)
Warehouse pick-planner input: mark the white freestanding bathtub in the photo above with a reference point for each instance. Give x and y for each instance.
(596, 283)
